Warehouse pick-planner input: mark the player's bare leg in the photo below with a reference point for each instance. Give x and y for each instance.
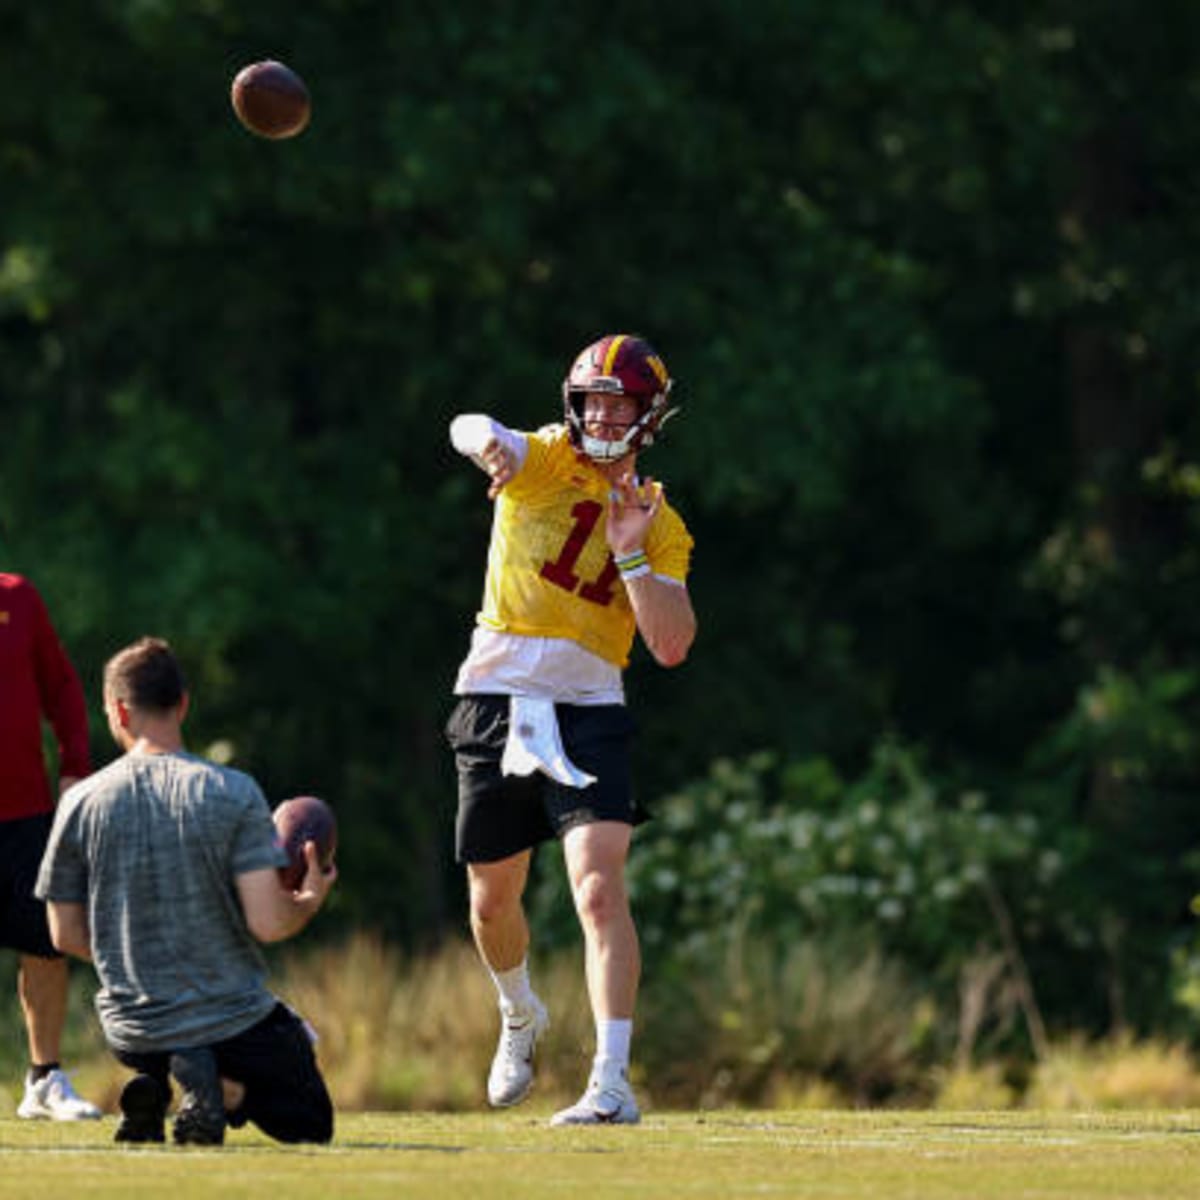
(596, 856)
(502, 938)
(42, 987)
(497, 914)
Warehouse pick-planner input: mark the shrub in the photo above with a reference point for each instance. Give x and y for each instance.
(784, 851)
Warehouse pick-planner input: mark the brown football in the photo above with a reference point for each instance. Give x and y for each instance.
(304, 819)
(270, 99)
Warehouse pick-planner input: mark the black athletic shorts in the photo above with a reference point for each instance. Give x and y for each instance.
(286, 1096)
(500, 815)
(23, 924)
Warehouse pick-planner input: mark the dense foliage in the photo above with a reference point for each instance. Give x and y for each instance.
(924, 274)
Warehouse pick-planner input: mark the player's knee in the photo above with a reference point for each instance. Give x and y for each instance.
(489, 909)
(599, 898)
(492, 902)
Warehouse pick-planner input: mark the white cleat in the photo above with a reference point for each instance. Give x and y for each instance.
(608, 1100)
(511, 1075)
(52, 1098)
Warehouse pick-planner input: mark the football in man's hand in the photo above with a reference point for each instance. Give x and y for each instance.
(304, 819)
(270, 99)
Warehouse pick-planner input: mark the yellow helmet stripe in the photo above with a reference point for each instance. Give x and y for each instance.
(611, 357)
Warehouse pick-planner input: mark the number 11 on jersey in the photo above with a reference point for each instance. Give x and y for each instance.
(561, 572)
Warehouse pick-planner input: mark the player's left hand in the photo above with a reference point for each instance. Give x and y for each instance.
(632, 507)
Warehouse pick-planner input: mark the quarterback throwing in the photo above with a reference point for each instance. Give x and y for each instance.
(584, 555)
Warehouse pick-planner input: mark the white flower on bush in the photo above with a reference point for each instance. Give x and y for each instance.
(801, 832)
(947, 889)
(974, 874)
(1049, 865)
(868, 813)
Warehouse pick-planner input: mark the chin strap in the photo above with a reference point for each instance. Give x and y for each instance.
(641, 434)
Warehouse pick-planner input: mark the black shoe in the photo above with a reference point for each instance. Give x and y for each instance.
(143, 1108)
(200, 1118)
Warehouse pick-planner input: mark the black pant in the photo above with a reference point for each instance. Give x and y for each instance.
(274, 1061)
(22, 915)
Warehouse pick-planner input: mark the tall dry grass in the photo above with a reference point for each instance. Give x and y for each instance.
(401, 1032)
(1118, 1073)
(828, 1025)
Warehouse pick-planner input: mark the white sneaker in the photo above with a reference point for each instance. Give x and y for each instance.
(52, 1098)
(608, 1100)
(511, 1075)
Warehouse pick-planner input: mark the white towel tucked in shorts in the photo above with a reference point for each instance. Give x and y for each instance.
(534, 743)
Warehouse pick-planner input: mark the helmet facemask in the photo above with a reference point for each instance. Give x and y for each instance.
(653, 412)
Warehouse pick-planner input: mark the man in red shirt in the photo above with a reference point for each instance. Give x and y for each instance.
(36, 680)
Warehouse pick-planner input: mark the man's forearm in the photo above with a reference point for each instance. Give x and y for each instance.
(69, 929)
(665, 618)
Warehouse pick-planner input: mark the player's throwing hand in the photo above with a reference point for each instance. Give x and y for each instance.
(499, 461)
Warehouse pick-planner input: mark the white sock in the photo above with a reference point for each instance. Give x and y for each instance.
(612, 1043)
(514, 988)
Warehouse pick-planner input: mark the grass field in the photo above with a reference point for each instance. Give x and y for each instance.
(841, 1156)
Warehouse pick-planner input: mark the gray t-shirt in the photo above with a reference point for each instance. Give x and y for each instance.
(151, 846)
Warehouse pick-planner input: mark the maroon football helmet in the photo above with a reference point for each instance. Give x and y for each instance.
(619, 364)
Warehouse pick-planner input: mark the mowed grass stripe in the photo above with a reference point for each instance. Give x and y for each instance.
(832, 1156)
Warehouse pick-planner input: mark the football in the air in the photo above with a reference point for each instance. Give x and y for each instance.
(270, 99)
(304, 819)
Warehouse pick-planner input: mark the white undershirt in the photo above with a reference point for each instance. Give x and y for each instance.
(558, 669)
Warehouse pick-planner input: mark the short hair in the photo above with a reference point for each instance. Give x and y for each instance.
(146, 675)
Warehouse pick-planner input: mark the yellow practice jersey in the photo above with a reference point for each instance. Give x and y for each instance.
(550, 572)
